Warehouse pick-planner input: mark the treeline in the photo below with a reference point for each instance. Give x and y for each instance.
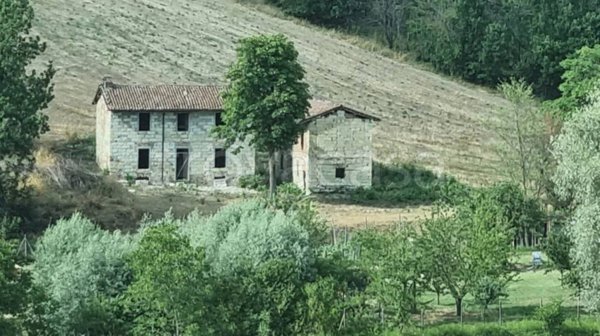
(263, 266)
(482, 41)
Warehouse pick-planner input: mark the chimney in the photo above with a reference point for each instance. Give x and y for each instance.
(107, 81)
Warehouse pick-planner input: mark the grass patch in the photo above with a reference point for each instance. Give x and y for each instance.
(408, 184)
(587, 327)
(531, 289)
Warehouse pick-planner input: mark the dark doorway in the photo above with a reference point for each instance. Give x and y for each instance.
(183, 156)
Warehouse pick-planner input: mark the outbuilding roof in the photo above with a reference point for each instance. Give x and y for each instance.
(322, 108)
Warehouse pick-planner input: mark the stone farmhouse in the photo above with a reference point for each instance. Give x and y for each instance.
(161, 134)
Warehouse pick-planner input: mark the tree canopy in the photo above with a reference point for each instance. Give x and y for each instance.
(266, 98)
(576, 178)
(23, 94)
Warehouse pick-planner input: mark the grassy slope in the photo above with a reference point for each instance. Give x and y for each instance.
(426, 117)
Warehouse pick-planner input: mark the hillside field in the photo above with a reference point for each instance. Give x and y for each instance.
(427, 119)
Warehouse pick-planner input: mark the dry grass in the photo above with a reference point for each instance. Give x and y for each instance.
(66, 180)
(427, 118)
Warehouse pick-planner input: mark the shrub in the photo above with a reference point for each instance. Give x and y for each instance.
(254, 182)
(246, 234)
(82, 270)
(325, 12)
(552, 316)
(409, 183)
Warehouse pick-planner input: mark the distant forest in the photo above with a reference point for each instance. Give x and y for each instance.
(482, 41)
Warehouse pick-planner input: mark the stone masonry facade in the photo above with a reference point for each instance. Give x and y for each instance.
(119, 140)
(334, 154)
(163, 134)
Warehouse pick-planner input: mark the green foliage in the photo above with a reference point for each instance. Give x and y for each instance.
(525, 145)
(295, 203)
(324, 305)
(488, 291)
(552, 316)
(576, 179)
(408, 183)
(485, 42)
(255, 182)
(558, 247)
(395, 263)
(168, 291)
(23, 94)
(325, 12)
(82, 270)
(581, 77)
(506, 202)
(15, 284)
(466, 247)
(520, 328)
(245, 235)
(266, 97)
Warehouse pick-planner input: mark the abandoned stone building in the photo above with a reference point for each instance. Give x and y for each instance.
(335, 152)
(162, 134)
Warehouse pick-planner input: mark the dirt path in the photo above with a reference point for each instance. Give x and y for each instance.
(360, 216)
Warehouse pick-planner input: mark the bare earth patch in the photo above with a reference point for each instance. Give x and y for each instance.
(356, 216)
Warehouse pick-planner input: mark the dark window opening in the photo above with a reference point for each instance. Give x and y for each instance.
(220, 159)
(183, 122)
(144, 121)
(181, 165)
(218, 119)
(302, 141)
(340, 173)
(143, 158)
(281, 158)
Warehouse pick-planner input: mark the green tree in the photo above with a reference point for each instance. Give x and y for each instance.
(23, 94)
(15, 284)
(523, 215)
(82, 271)
(524, 145)
(558, 29)
(558, 247)
(394, 262)
(576, 178)
(466, 247)
(325, 12)
(266, 98)
(581, 77)
(168, 293)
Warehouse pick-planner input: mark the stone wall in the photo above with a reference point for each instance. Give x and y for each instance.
(340, 141)
(126, 139)
(300, 160)
(103, 117)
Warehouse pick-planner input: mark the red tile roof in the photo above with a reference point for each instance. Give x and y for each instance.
(120, 98)
(160, 97)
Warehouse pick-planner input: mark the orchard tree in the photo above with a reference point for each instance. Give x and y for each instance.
(266, 98)
(576, 178)
(23, 94)
(467, 247)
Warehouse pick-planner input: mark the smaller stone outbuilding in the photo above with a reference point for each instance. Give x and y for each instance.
(162, 134)
(335, 153)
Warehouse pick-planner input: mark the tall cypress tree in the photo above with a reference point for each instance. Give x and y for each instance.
(23, 94)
